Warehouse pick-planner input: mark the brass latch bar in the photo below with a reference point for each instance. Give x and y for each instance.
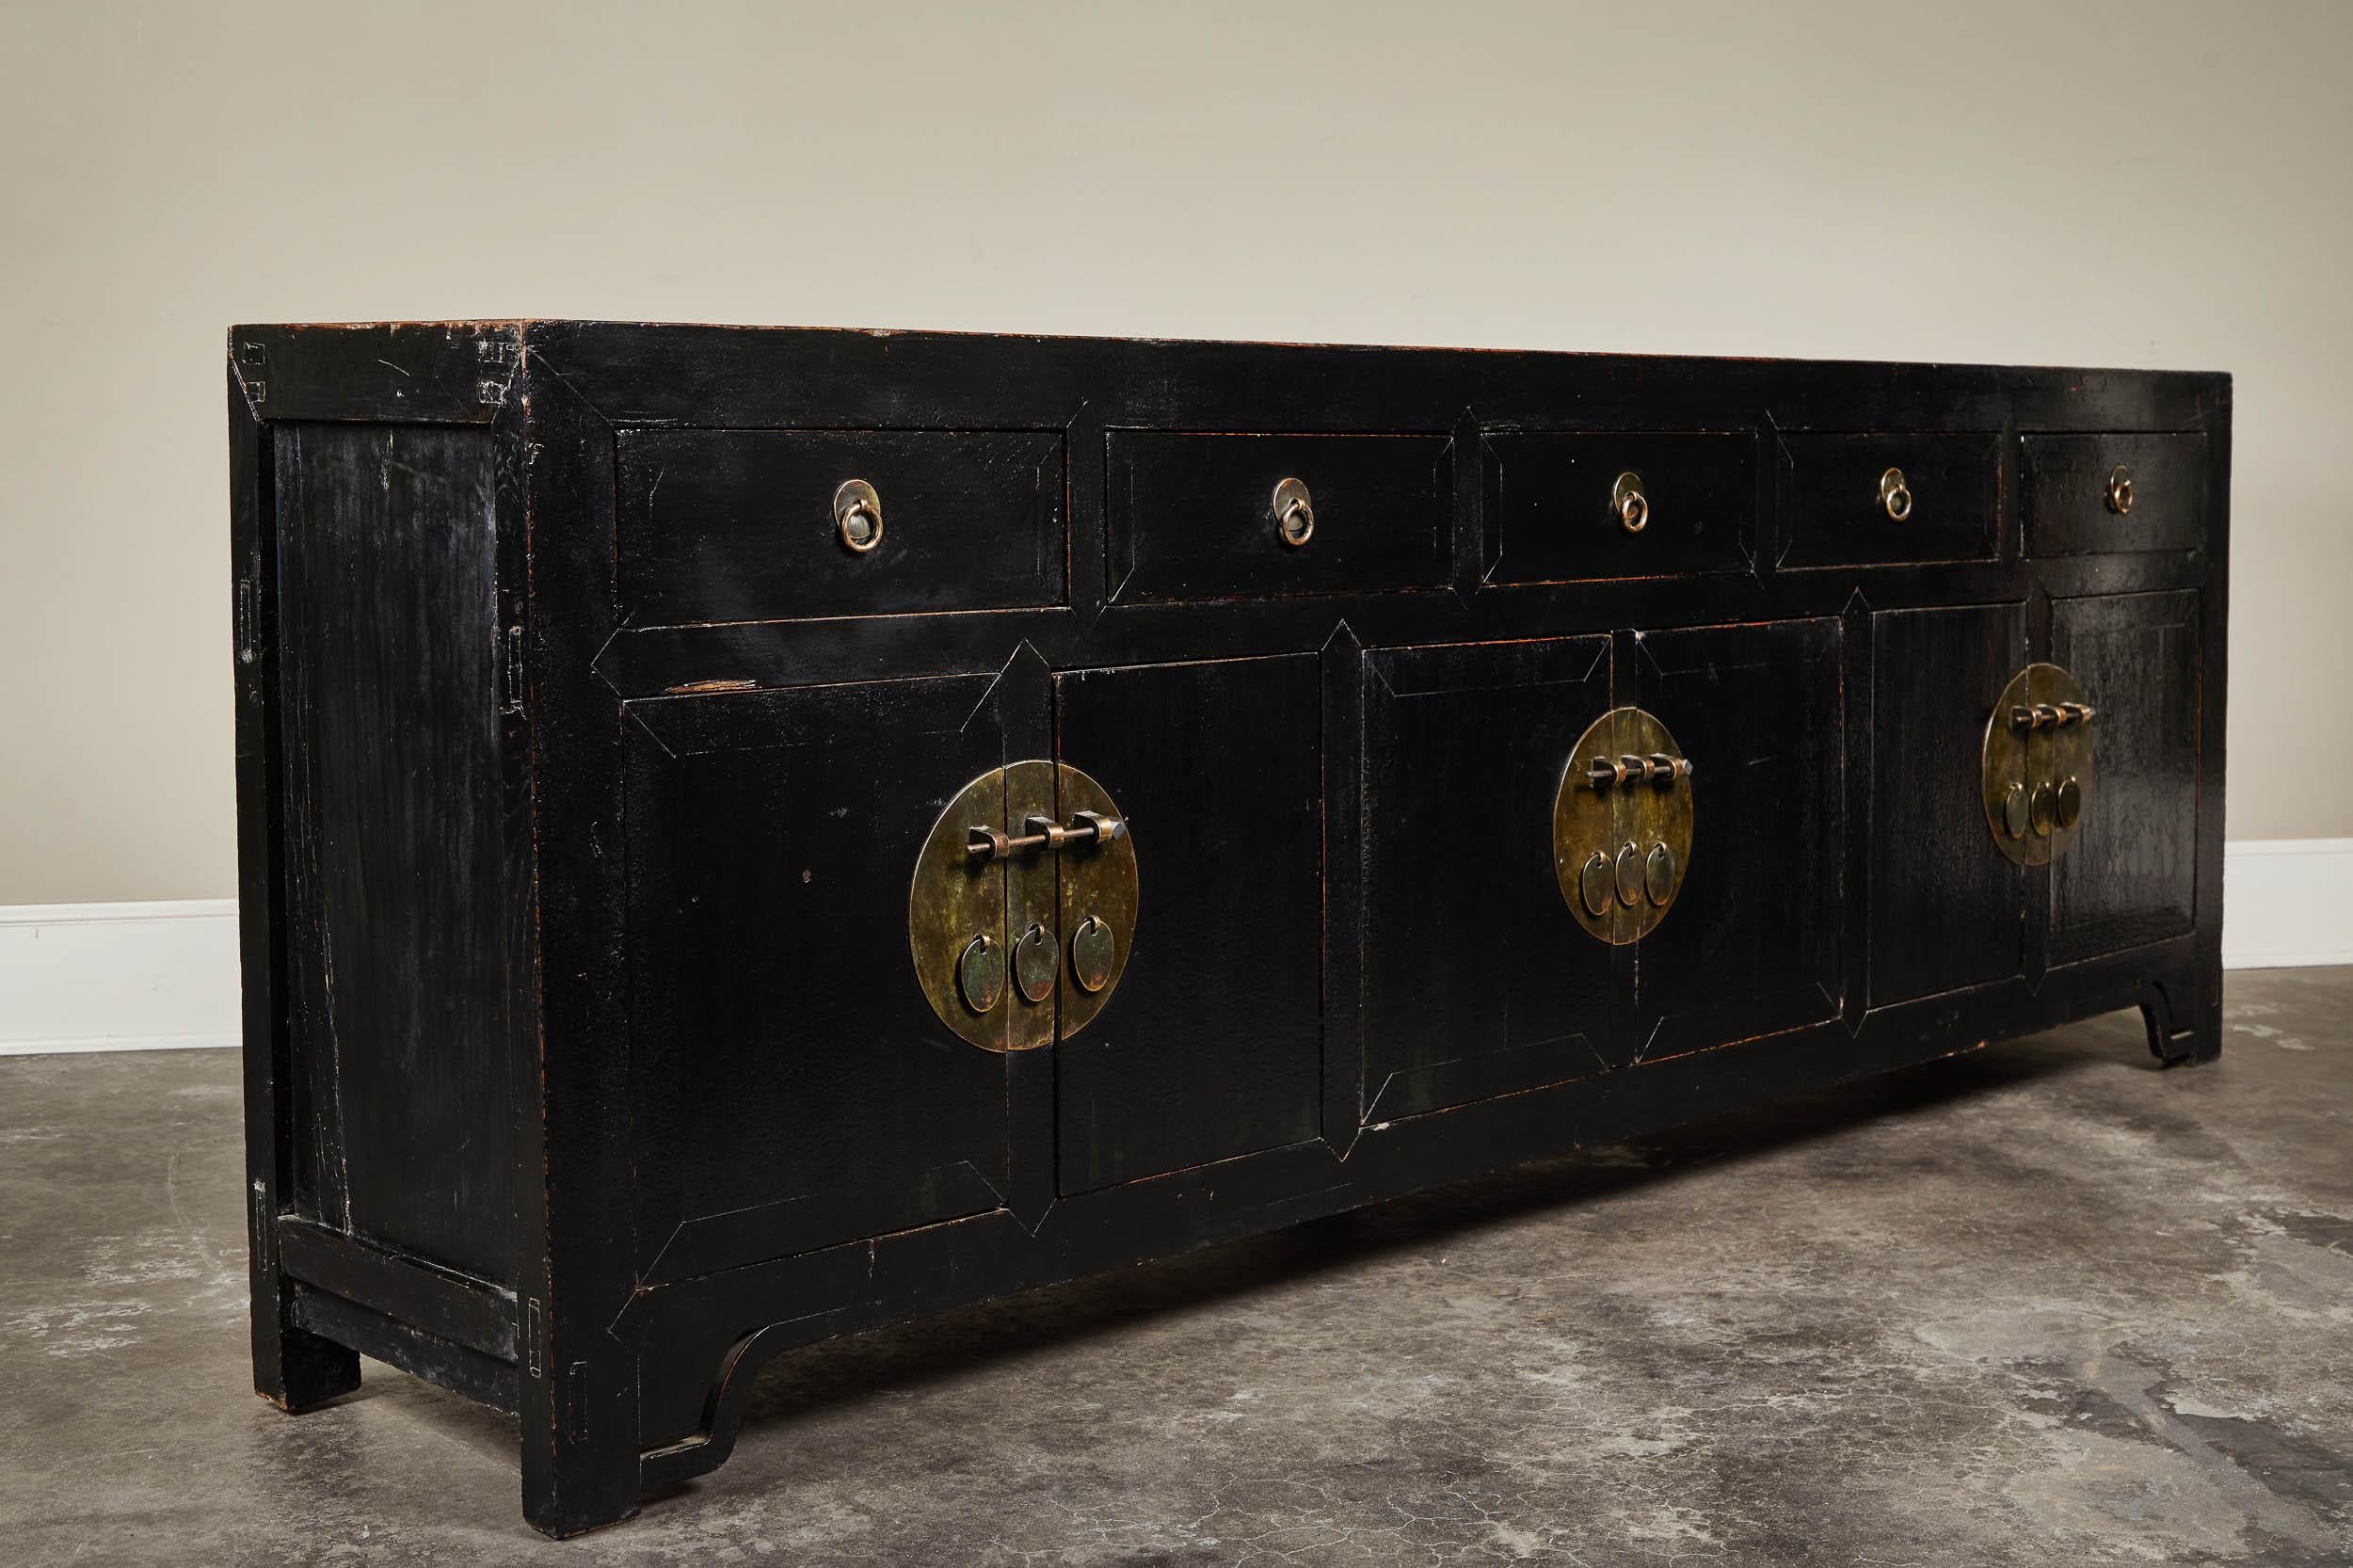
(1658, 768)
(2043, 715)
(1085, 830)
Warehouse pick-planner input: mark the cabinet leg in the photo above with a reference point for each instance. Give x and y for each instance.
(2187, 1035)
(581, 1463)
(294, 1368)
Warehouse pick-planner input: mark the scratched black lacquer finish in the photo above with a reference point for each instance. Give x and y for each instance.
(589, 735)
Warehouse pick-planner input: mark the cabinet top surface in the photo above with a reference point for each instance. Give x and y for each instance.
(547, 330)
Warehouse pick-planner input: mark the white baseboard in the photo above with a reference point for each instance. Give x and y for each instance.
(2287, 902)
(118, 976)
(160, 976)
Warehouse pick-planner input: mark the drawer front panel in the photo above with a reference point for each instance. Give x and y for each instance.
(1835, 512)
(1477, 979)
(1556, 514)
(1191, 516)
(2077, 502)
(725, 525)
(2131, 875)
(1211, 1044)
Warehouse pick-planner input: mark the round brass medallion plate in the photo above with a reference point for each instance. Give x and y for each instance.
(1622, 829)
(2037, 764)
(985, 931)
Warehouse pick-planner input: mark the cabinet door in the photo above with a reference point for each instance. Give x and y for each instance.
(1210, 1045)
(1948, 908)
(1477, 980)
(2131, 875)
(791, 1086)
(1751, 945)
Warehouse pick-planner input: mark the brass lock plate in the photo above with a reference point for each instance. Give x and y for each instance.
(1022, 906)
(2037, 764)
(1621, 825)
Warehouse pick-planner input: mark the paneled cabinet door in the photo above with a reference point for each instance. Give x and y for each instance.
(2131, 875)
(1750, 944)
(1476, 980)
(1210, 1044)
(1946, 907)
(792, 1087)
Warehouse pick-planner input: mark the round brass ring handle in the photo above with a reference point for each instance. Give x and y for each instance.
(1034, 963)
(2014, 810)
(1092, 948)
(858, 516)
(1629, 874)
(1659, 875)
(1895, 494)
(2120, 490)
(1294, 513)
(1598, 885)
(1632, 505)
(981, 973)
(2068, 809)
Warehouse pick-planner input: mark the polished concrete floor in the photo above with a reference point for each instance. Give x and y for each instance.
(2040, 1305)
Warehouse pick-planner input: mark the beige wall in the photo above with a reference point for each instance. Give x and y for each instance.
(2125, 184)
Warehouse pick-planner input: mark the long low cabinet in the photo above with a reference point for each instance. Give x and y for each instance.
(750, 834)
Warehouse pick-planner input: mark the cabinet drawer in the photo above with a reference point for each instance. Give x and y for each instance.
(1192, 515)
(2114, 492)
(1558, 516)
(1835, 513)
(719, 525)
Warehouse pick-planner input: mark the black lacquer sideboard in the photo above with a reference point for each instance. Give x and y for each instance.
(749, 835)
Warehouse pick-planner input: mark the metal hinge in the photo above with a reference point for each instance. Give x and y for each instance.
(496, 358)
(248, 620)
(511, 671)
(253, 373)
(575, 1401)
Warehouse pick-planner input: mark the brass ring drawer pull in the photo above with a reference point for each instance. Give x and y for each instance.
(1895, 494)
(858, 515)
(2120, 490)
(1294, 513)
(1627, 500)
(1086, 830)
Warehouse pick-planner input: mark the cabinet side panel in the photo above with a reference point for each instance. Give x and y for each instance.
(398, 878)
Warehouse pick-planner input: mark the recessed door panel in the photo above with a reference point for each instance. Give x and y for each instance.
(793, 1085)
(1210, 1046)
(1948, 908)
(2130, 877)
(1750, 943)
(1477, 979)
